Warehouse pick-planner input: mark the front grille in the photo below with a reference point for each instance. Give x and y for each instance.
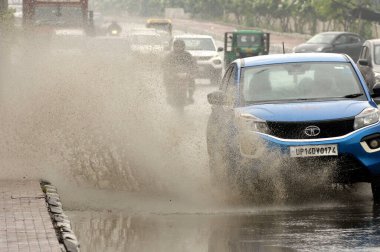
(296, 130)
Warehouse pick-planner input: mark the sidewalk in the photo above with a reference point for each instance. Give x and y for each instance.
(25, 224)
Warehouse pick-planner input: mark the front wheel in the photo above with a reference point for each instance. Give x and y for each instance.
(375, 185)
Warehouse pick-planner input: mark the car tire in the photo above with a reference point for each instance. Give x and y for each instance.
(375, 186)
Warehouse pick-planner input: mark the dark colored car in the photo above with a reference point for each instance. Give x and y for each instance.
(333, 42)
(369, 61)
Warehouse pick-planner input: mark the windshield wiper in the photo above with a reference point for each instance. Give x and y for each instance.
(353, 95)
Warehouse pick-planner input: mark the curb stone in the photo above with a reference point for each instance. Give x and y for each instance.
(67, 240)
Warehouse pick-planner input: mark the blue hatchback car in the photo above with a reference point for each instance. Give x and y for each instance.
(304, 106)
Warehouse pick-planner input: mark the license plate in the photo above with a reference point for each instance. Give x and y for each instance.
(314, 150)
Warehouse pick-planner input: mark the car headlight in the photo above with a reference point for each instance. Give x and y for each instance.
(367, 117)
(250, 122)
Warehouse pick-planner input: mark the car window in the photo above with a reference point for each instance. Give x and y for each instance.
(248, 40)
(199, 44)
(364, 53)
(352, 39)
(342, 39)
(321, 38)
(295, 81)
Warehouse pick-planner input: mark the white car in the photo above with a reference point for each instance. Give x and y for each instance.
(146, 42)
(206, 54)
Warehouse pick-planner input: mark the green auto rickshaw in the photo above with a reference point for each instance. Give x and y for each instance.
(245, 43)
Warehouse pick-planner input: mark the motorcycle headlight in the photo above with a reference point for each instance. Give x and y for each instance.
(367, 117)
(250, 122)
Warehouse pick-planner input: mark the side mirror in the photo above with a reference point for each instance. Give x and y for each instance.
(216, 98)
(363, 62)
(376, 90)
(220, 49)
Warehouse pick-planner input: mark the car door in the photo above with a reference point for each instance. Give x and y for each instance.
(354, 45)
(340, 44)
(349, 44)
(366, 70)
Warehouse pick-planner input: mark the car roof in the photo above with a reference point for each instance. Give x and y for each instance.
(293, 58)
(338, 33)
(192, 36)
(373, 41)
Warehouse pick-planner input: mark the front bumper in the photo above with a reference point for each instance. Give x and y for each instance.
(350, 147)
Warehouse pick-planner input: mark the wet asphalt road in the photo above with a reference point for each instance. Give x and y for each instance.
(317, 228)
(104, 124)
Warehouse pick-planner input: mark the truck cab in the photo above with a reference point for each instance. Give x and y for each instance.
(57, 14)
(164, 27)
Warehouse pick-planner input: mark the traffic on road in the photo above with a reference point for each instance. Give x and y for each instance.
(180, 134)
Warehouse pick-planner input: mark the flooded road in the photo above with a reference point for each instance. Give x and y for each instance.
(314, 228)
(133, 174)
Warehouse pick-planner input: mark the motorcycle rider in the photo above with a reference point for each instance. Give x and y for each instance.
(114, 26)
(180, 60)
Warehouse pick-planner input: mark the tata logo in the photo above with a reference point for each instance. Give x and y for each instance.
(312, 131)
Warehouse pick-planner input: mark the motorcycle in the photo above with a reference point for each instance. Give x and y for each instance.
(114, 29)
(177, 85)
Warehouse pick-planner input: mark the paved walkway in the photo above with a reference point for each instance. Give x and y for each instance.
(25, 223)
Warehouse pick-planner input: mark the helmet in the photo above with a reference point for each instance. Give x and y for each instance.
(179, 45)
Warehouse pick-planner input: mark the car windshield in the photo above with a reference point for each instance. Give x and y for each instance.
(160, 26)
(300, 81)
(199, 44)
(248, 40)
(322, 39)
(146, 39)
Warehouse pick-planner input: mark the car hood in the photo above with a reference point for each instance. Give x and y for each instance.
(203, 53)
(306, 111)
(310, 47)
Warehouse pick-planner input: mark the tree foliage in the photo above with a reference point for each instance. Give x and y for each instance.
(290, 15)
